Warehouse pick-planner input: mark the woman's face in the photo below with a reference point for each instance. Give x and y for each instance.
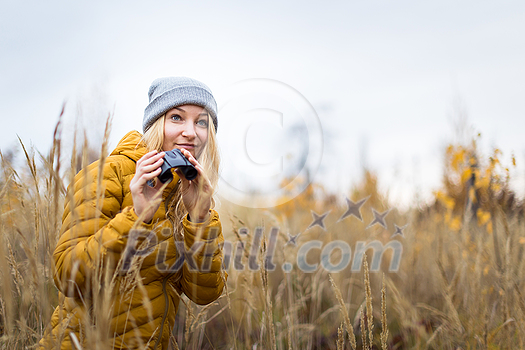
(186, 127)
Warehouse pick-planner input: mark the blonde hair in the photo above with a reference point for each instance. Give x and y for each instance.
(209, 159)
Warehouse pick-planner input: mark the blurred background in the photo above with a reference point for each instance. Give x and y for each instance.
(391, 84)
(416, 106)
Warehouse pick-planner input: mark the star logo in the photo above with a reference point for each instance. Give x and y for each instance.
(399, 231)
(379, 218)
(292, 239)
(354, 209)
(318, 220)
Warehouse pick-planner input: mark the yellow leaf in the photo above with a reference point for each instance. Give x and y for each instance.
(448, 217)
(457, 159)
(482, 182)
(447, 201)
(455, 225)
(466, 175)
(483, 217)
(522, 240)
(472, 194)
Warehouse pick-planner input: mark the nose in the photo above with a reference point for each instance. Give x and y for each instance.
(189, 130)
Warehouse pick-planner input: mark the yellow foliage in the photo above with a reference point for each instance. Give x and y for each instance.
(455, 225)
(458, 159)
(483, 182)
(447, 201)
(466, 175)
(482, 216)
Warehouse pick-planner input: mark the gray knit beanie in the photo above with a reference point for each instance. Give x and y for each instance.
(167, 93)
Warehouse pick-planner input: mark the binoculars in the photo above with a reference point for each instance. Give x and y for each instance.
(175, 159)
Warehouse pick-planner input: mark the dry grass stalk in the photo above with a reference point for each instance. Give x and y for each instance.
(227, 292)
(341, 337)
(289, 328)
(189, 319)
(384, 324)
(447, 294)
(434, 336)
(6, 295)
(18, 280)
(195, 324)
(521, 313)
(364, 337)
(266, 295)
(173, 343)
(344, 311)
(369, 308)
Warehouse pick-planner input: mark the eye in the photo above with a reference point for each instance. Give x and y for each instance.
(175, 117)
(203, 123)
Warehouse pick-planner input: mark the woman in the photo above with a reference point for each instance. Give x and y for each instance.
(128, 248)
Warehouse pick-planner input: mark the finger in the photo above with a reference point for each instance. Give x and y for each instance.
(145, 177)
(150, 157)
(148, 165)
(193, 161)
(140, 180)
(146, 156)
(189, 156)
(151, 167)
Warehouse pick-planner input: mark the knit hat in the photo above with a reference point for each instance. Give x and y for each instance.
(170, 92)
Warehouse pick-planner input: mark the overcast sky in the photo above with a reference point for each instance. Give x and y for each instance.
(382, 77)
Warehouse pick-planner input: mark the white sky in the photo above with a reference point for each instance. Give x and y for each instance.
(382, 76)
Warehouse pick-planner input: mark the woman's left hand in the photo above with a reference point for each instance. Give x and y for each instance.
(197, 193)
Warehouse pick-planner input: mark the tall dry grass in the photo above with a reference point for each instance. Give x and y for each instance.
(459, 286)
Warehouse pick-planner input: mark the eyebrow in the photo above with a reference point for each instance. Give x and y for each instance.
(201, 114)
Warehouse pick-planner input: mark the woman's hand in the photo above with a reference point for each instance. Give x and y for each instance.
(146, 199)
(197, 193)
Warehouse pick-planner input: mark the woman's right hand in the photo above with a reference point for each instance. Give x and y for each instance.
(146, 199)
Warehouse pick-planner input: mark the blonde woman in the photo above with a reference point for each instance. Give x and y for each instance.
(130, 245)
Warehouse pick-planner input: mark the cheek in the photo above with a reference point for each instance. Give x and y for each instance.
(170, 133)
(203, 135)
(169, 138)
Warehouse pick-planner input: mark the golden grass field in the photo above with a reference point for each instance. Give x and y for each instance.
(460, 284)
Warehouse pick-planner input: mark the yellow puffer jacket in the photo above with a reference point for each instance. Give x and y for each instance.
(109, 301)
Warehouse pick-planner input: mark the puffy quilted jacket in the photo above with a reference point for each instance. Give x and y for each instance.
(102, 243)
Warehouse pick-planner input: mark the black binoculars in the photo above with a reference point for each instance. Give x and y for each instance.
(175, 159)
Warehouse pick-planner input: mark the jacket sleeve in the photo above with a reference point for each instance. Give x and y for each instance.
(203, 278)
(94, 229)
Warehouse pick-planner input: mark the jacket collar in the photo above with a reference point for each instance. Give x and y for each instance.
(134, 148)
(131, 146)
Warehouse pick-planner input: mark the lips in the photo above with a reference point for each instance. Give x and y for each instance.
(186, 145)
